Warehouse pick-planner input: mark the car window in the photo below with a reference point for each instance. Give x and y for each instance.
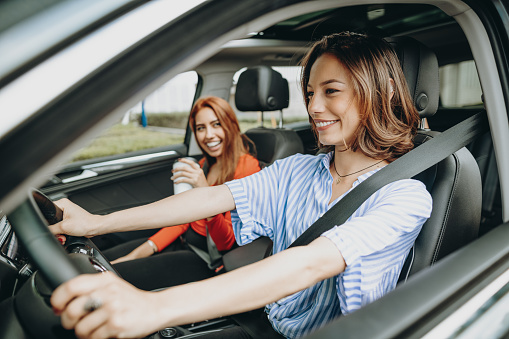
(159, 120)
(459, 85)
(295, 112)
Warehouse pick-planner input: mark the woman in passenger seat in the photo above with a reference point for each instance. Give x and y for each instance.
(226, 157)
(360, 108)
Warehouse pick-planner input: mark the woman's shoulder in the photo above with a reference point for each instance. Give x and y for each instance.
(247, 157)
(248, 161)
(410, 190)
(246, 165)
(408, 186)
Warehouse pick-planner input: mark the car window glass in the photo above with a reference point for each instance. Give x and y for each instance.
(159, 120)
(296, 111)
(459, 85)
(489, 320)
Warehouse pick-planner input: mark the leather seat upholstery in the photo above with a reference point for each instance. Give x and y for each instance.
(484, 153)
(263, 89)
(454, 183)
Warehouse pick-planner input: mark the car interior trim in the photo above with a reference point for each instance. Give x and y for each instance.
(107, 102)
(453, 324)
(491, 321)
(83, 175)
(79, 18)
(125, 162)
(108, 42)
(495, 107)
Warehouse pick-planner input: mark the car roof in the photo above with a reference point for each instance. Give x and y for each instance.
(419, 21)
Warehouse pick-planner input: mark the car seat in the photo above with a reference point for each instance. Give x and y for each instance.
(454, 183)
(484, 153)
(263, 89)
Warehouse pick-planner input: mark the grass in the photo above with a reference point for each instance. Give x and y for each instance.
(174, 120)
(126, 138)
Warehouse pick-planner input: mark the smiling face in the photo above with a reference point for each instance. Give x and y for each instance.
(209, 132)
(332, 104)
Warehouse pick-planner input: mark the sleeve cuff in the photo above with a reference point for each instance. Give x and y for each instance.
(242, 222)
(241, 202)
(349, 252)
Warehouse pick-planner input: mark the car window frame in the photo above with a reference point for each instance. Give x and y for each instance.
(227, 18)
(42, 40)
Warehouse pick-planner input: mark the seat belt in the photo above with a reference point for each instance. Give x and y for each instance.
(213, 261)
(212, 256)
(409, 165)
(490, 186)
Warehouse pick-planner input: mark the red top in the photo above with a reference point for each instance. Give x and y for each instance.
(220, 226)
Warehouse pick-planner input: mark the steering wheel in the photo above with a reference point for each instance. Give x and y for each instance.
(55, 266)
(30, 223)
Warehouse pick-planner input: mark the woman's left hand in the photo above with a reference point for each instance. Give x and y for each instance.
(105, 306)
(192, 174)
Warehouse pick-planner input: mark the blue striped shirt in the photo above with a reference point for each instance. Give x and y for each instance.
(284, 199)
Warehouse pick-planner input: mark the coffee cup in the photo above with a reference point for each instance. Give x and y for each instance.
(179, 187)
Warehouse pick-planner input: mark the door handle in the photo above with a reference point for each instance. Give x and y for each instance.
(83, 175)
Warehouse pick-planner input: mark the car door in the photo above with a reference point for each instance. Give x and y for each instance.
(117, 183)
(130, 163)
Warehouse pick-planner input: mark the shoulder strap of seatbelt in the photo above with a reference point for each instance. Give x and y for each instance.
(414, 162)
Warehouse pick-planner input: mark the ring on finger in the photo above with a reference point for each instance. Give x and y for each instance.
(92, 304)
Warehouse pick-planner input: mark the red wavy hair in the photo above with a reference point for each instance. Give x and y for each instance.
(235, 144)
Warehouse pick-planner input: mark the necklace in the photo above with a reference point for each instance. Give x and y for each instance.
(338, 180)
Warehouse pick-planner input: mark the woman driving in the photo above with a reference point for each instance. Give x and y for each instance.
(361, 111)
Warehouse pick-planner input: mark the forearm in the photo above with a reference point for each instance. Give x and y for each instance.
(142, 251)
(167, 235)
(252, 286)
(189, 206)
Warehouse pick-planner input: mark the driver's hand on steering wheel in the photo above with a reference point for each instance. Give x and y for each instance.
(105, 306)
(76, 220)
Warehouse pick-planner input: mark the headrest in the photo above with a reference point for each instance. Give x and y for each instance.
(261, 88)
(420, 67)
